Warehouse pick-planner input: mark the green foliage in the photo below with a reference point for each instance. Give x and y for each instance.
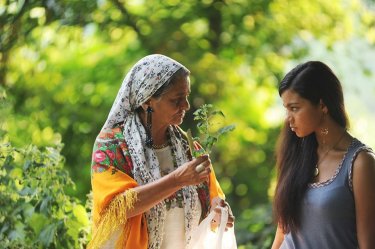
(209, 128)
(36, 212)
(255, 228)
(62, 62)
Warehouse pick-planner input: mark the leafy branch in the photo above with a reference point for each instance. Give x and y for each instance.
(208, 135)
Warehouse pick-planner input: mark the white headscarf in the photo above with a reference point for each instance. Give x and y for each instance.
(141, 82)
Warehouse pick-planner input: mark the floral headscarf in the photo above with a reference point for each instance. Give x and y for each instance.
(142, 81)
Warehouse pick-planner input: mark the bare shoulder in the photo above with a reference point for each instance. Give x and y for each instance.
(364, 168)
(364, 197)
(365, 162)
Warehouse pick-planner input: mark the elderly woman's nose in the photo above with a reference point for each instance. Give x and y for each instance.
(186, 105)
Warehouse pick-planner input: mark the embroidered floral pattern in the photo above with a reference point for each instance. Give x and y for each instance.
(204, 198)
(111, 150)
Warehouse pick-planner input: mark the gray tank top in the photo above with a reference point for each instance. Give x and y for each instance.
(328, 212)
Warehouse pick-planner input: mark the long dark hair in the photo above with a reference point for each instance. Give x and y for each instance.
(296, 157)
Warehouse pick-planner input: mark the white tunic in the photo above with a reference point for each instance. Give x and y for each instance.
(174, 225)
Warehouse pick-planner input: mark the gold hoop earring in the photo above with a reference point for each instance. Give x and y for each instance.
(324, 132)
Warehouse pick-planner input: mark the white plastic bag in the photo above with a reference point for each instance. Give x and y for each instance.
(204, 238)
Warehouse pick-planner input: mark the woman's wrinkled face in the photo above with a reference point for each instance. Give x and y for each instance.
(170, 108)
(303, 117)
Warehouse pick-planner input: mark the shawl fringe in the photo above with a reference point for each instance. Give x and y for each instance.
(111, 218)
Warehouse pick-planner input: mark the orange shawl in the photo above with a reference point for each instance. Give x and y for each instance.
(113, 194)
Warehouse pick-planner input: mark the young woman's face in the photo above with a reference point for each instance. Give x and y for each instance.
(304, 118)
(170, 108)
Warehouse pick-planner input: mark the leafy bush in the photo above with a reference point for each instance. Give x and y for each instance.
(35, 211)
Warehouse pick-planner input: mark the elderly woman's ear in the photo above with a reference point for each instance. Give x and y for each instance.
(146, 104)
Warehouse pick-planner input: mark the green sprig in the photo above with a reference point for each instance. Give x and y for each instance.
(207, 136)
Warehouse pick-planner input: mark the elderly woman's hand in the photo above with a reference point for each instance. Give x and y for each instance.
(216, 205)
(194, 172)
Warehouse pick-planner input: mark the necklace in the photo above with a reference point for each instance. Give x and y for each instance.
(161, 146)
(316, 173)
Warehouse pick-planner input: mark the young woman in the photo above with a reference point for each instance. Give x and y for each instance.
(148, 191)
(325, 194)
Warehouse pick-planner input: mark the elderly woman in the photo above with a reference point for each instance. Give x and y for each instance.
(148, 191)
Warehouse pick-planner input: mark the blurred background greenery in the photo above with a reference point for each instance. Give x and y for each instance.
(62, 63)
